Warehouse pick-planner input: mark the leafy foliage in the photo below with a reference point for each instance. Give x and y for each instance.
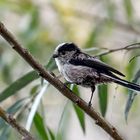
(23, 81)
(39, 27)
(131, 95)
(129, 9)
(80, 114)
(39, 124)
(102, 92)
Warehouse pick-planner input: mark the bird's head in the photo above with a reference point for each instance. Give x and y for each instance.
(65, 51)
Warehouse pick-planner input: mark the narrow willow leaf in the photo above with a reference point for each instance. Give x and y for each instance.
(81, 117)
(51, 134)
(110, 7)
(80, 114)
(102, 93)
(131, 67)
(34, 19)
(93, 36)
(18, 85)
(13, 109)
(5, 134)
(6, 73)
(131, 95)
(130, 100)
(129, 9)
(16, 106)
(5, 129)
(51, 65)
(39, 124)
(24, 81)
(35, 106)
(34, 89)
(62, 123)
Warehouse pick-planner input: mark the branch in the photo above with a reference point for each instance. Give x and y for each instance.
(128, 47)
(11, 121)
(111, 130)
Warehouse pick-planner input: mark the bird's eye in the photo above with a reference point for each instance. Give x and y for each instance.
(63, 53)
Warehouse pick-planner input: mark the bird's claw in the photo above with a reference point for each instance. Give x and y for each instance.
(66, 83)
(90, 104)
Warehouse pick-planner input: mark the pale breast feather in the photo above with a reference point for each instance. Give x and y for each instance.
(59, 65)
(78, 73)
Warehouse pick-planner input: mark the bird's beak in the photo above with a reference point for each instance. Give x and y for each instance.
(55, 55)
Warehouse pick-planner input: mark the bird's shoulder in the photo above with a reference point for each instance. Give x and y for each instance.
(84, 56)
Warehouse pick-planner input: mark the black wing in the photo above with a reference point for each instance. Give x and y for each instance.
(96, 64)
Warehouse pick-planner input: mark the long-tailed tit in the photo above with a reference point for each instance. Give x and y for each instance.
(82, 69)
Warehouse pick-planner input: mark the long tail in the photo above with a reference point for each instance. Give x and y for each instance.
(127, 84)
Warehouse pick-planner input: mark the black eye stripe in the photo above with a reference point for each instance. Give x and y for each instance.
(63, 52)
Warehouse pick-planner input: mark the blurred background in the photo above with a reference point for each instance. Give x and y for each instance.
(96, 26)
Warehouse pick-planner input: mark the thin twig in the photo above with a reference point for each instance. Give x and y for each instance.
(11, 121)
(111, 130)
(128, 47)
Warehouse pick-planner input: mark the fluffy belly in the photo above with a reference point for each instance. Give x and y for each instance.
(84, 76)
(75, 74)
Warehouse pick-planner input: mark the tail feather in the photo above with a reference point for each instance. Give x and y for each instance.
(127, 84)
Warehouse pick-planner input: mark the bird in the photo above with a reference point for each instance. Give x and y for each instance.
(80, 68)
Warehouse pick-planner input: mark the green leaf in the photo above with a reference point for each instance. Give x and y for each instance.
(13, 109)
(34, 19)
(62, 126)
(6, 73)
(51, 134)
(128, 9)
(24, 81)
(16, 106)
(80, 114)
(18, 85)
(5, 134)
(81, 117)
(51, 65)
(131, 95)
(5, 129)
(93, 36)
(110, 7)
(102, 93)
(35, 105)
(131, 67)
(130, 100)
(39, 124)
(34, 89)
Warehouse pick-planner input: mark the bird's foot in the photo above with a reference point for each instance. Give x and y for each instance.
(67, 83)
(89, 104)
(52, 74)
